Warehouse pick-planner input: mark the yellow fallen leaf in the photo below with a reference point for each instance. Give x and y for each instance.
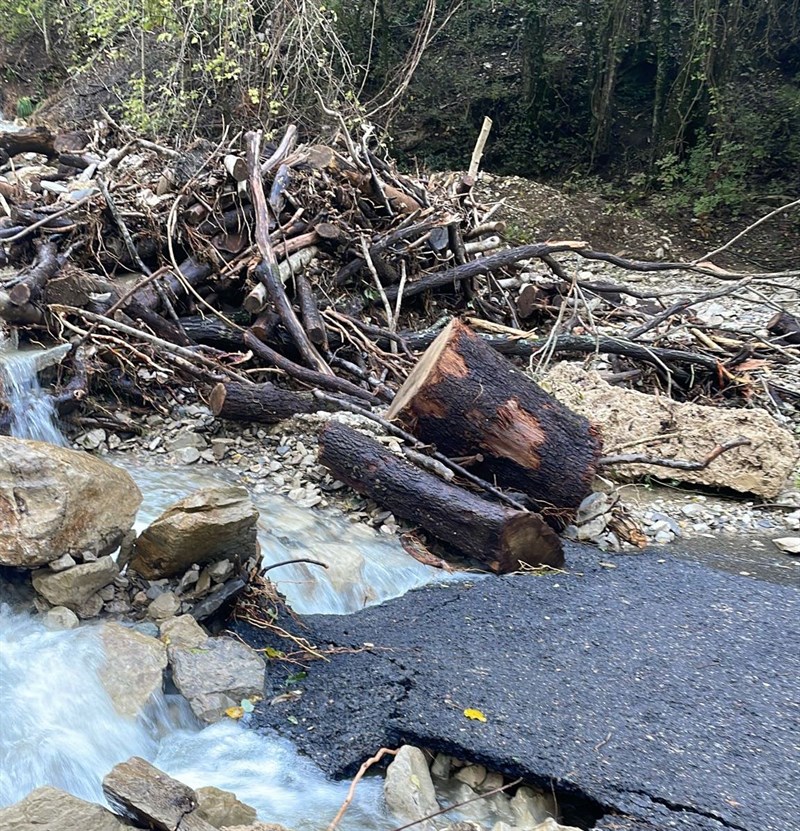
(475, 715)
(234, 712)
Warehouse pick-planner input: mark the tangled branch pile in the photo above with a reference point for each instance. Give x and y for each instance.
(285, 279)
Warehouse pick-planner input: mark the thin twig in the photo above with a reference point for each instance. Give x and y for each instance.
(384, 751)
(292, 562)
(170, 348)
(747, 230)
(675, 464)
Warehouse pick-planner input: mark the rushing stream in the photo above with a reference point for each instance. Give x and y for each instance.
(59, 726)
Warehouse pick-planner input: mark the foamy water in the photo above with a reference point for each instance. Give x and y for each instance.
(364, 567)
(32, 413)
(59, 727)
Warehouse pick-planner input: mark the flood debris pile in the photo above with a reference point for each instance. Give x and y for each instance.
(272, 280)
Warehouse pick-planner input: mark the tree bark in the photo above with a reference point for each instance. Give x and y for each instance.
(785, 325)
(498, 536)
(20, 303)
(469, 401)
(264, 403)
(212, 331)
(29, 140)
(312, 320)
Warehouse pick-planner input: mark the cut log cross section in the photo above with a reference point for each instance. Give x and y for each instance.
(498, 536)
(472, 403)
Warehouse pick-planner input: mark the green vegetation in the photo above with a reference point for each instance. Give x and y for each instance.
(696, 104)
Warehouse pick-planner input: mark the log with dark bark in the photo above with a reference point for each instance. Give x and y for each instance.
(72, 394)
(497, 536)
(485, 265)
(212, 331)
(312, 320)
(264, 403)
(786, 326)
(26, 315)
(29, 140)
(19, 304)
(469, 401)
(31, 281)
(193, 271)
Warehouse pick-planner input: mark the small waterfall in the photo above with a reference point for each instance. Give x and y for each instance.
(32, 412)
(363, 567)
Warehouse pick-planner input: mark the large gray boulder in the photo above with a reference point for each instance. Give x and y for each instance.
(134, 667)
(207, 525)
(55, 501)
(73, 588)
(49, 809)
(216, 675)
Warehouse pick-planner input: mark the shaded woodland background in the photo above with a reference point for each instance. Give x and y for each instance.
(693, 104)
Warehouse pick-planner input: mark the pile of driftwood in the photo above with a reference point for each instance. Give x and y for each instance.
(284, 279)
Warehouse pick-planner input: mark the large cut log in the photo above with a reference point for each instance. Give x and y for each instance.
(469, 401)
(498, 536)
(264, 403)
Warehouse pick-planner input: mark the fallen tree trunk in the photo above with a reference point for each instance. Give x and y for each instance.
(29, 140)
(496, 535)
(264, 403)
(468, 401)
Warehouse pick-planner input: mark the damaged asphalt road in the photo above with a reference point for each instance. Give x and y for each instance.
(655, 694)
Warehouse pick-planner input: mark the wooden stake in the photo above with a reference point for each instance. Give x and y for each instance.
(480, 144)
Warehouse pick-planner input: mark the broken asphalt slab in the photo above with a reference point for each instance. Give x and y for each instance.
(653, 694)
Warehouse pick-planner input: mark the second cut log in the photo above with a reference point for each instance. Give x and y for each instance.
(500, 537)
(264, 403)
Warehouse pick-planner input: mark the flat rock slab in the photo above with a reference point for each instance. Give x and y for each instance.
(655, 694)
(49, 809)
